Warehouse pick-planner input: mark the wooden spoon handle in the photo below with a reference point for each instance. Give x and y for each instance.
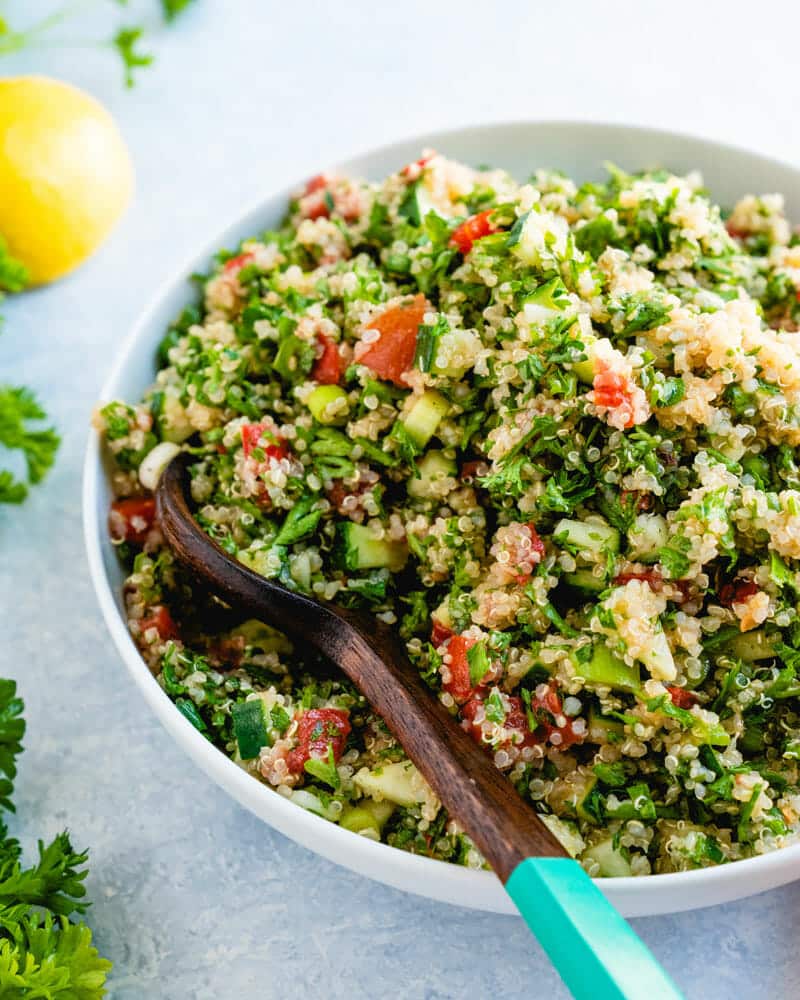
(505, 829)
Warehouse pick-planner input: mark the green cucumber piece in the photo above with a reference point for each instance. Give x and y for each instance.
(424, 417)
(647, 536)
(606, 669)
(603, 729)
(393, 782)
(565, 832)
(584, 579)
(433, 466)
(368, 818)
(321, 398)
(250, 722)
(357, 548)
(585, 370)
(612, 863)
(753, 646)
(593, 538)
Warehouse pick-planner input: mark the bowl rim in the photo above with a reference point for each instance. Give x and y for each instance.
(443, 881)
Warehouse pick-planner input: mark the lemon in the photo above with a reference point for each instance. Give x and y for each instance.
(65, 174)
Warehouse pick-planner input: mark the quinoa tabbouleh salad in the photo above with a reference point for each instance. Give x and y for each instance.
(549, 433)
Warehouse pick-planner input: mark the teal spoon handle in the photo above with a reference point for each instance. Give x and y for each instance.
(595, 951)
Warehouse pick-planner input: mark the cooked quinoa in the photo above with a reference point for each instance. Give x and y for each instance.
(548, 432)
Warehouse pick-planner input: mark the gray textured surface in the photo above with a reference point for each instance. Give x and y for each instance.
(193, 896)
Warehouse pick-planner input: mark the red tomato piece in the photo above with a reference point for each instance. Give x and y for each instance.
(273, 446)
(235, 264)
(737, 592)
(317, 730)
(131, 520)
(411, 171)
(536, 543)
(316, 183)
(609, 389)
(642, 501)
(474, 228)
(681, 697)
(652, 577)
(473, 470)
(392, 354)
(162, 621)
(459, 685)
(327, 368)
(439, 633)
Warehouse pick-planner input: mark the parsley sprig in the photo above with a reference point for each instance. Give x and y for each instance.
(42, 953)
(18, 410)
(125, 41)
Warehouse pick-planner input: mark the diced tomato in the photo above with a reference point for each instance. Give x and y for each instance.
(652, 577)
(235, 264)
(439, 633)
(316, 183)
(681, 697)
(737, 592)
(472, 470)
(327, 368)
(315, 202)
(459, 685)
(251, 438)
(161, 620)
(609, 389)
(317, 730)
(131, 520)
(641, 500)
(545, 710)
(474, 228)
(411, 171)
(536, 543)
(392, 354)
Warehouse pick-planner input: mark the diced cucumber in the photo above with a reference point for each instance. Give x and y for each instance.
(712, 733)
(250, 727)
(647, 536)
(565, 832)
(307, 800)
(173, 421)
(603, 729)
(606, 669)
(360, 821)
(580, 804)
(357, 548)
(432, 468)
(612, 863)
(595, 538)
(393, 781)
(584, 579)
(368, 817)
(320, 400)
(552, 295)
(657, 657)
(753, 646)
(585, 370)
(424, 417)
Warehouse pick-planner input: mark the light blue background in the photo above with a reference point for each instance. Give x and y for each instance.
(193, 896)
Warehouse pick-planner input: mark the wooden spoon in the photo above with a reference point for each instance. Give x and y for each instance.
(594, 949)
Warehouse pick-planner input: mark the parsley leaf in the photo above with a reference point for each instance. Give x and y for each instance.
(12, 729)
(172, 8)
(125, 42)
(324, 770)
(18, 406)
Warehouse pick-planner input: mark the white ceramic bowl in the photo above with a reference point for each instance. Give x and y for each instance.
(580, 150)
